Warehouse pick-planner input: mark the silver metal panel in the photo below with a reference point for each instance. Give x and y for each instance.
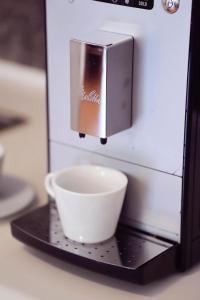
(159, 38)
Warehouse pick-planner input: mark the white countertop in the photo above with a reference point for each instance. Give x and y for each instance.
(26, 273)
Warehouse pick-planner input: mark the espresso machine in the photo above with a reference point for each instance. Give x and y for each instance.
(122, 83)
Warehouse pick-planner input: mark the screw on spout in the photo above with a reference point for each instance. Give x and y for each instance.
(103, 141)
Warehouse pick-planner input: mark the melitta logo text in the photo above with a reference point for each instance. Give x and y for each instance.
(92, 96)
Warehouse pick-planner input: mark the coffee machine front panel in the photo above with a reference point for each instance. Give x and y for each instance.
(151, 150)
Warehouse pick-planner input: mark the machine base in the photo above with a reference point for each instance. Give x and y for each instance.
(128, 255)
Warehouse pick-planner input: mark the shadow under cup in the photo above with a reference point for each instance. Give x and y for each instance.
(89, 201)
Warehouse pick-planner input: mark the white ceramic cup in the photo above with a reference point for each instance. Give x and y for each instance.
(2, 154)
(89, 201)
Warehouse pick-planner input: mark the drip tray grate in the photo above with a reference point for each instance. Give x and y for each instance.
(127, 250)
(123, 249)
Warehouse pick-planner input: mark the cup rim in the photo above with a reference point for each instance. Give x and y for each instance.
(122, 186)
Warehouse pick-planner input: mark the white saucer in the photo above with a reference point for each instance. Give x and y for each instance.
(15, 195)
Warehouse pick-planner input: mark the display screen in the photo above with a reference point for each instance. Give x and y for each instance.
(144, 4)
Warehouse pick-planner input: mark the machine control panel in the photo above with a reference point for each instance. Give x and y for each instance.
(144, 4)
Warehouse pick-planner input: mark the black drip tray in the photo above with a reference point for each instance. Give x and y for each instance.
(129, 254)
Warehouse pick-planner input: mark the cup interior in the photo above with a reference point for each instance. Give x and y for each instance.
(91, 180)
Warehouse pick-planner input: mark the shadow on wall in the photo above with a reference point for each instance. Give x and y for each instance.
(22, 31)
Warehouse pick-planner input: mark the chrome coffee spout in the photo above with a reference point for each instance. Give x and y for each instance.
(101, 68)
